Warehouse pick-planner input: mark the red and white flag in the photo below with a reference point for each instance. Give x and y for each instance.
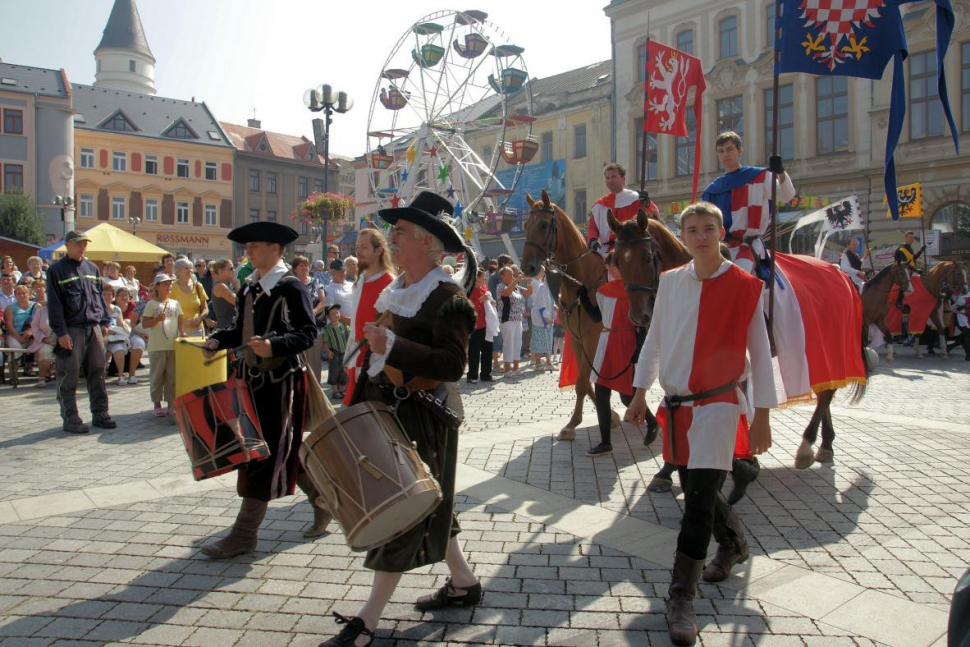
(670, 74)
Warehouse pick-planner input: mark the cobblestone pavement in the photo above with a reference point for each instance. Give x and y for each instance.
(99, 533)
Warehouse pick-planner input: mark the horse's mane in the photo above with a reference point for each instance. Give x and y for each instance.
(561, 212)
(880, 275)
(661, 232)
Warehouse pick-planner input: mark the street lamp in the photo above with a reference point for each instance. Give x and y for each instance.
(134, 221)
(66, 203)
(320, 231)
(327, 100)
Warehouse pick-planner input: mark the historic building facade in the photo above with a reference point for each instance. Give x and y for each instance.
(832, 130)
(37, 139)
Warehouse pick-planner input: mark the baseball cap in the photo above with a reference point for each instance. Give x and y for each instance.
(75, 237)
(161, 277)
(337, 264)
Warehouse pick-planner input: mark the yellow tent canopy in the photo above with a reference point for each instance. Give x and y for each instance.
(108, 243)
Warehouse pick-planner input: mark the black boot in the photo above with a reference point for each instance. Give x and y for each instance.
(243, 536)
(662, 481)
(321, 516)
(743, 473)
(681, 619)
(732, 548)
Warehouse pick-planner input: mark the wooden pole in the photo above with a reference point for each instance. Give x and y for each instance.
(646, 90)
(772, 206)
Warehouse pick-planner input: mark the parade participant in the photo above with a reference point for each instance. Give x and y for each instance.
(851, 264)
(615, 352)
(425, 345)
(904, 254)
(164, 321)
(700, 363)
(43, 338)
(274, 324)
(743, 195)
(80, 321)
(376, 272)
(623, 202)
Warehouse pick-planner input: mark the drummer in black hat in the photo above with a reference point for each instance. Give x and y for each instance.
(273, 325)
(420, 353)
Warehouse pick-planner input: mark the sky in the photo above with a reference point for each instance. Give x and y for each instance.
(244, 55)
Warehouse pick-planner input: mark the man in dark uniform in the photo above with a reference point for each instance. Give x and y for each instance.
(905, 255)
(422, 351)
(274, 324)
(79, 318)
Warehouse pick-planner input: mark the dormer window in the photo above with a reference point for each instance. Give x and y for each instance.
(180, 130)
(119, 122)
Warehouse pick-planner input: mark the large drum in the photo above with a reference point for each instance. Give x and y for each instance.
(369, 476)
(220, 428)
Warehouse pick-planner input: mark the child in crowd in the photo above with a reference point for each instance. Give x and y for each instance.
(118, 332)
(335, 335)
(613, 362)
(137, 337)
(164, 322)
(43, 339)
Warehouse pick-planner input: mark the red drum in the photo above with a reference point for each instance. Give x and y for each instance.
(369, 475)
(220, 428)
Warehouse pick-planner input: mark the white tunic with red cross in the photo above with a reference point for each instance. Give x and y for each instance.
(704, 335)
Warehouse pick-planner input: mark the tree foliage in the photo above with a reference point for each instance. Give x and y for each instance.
(19, 219)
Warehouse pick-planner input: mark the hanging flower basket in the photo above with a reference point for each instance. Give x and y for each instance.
(324, 206)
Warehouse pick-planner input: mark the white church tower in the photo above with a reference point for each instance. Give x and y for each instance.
(123, 58)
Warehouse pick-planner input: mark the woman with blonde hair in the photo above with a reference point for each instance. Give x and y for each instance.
(187, 290)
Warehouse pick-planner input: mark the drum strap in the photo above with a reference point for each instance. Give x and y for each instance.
(252, 360)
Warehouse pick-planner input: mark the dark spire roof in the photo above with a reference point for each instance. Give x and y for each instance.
(124, 30)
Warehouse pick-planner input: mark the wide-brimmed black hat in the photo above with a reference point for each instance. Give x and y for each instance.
(266, 232)
(426, 210)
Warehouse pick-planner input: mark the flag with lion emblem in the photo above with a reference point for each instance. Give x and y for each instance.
(858, 38)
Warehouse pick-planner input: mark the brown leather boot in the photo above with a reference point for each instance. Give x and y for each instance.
(681, 619)
(321, 516)
(732, 548)
(243, 536)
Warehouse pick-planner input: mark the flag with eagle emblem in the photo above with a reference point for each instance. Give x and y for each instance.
(858, 38)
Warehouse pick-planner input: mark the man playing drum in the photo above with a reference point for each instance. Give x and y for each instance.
(274, 324)
(423, 349)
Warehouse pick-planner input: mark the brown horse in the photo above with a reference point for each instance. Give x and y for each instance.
(636, 239)
(875, 302)
(952, 274)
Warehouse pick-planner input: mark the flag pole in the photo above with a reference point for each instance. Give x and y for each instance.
(865, 231)
(773, 206)
(646, 92)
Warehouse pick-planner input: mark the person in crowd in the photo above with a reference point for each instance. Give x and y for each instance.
(432, 321)
(80, 321)
(137, 337)
(335, 335)
(851, 263)
(7, 296)
(17, 319)
(543, 315)
(339, 290)
(558, 337)
(318, 296)
(7, 266)
(167, 265)
(320, 271)
(223, 293)
(119, 333)
(35, 270)
(112, 275)
(503, 260)
(204, 277)
(704, 404)
(132, 284)
(42, 337)
(190, 295)
(480, 348)
(511, 303)
(350, 265)
(613, 363)
(448, 269)
(165, 322)
(525, 288)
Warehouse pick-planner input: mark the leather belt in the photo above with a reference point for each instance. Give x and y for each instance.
(673, 402)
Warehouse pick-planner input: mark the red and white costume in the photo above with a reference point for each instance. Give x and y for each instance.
(729, 344)
(362, 313)
(624, 205)
(618, 340)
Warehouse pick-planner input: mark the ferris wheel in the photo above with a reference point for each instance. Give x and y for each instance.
(450, 104)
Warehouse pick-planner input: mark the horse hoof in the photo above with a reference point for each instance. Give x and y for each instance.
(653, 430)
(826, 456)
(658, 485)
(804, 457)
(567, 434)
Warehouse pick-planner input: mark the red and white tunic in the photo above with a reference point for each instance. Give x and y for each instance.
(612, 366)
(361, 314)
(706, 334)
(750, 217)
(624, 205)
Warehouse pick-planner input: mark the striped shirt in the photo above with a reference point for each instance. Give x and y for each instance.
(335, 337)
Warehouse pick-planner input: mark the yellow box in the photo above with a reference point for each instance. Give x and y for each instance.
(191, 372)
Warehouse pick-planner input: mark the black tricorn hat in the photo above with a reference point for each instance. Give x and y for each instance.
(266, 232)
(426, 210)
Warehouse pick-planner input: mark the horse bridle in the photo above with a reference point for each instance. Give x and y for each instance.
(637, 287)
(549, 249)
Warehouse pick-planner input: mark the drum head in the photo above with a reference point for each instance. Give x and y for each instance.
(395, 520)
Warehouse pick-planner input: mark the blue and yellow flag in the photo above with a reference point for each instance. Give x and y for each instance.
(858, 38)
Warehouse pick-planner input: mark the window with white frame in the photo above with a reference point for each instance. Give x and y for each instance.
(182, 169)
(727, 30)
(182, 213)
(151, 164)
(271, 216)
(87, 158)
(685, 41)
(579, 141)
(210, 215)
(85, 205)
(254, 215)
(210, 171)
(925, 109)
(118, 208)
(151, 210)
(119, 161)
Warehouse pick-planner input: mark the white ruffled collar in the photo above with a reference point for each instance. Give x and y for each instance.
(406, 301)
(271, 278)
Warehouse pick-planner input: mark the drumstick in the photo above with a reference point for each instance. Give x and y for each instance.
(14, 350)
(384, 319)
